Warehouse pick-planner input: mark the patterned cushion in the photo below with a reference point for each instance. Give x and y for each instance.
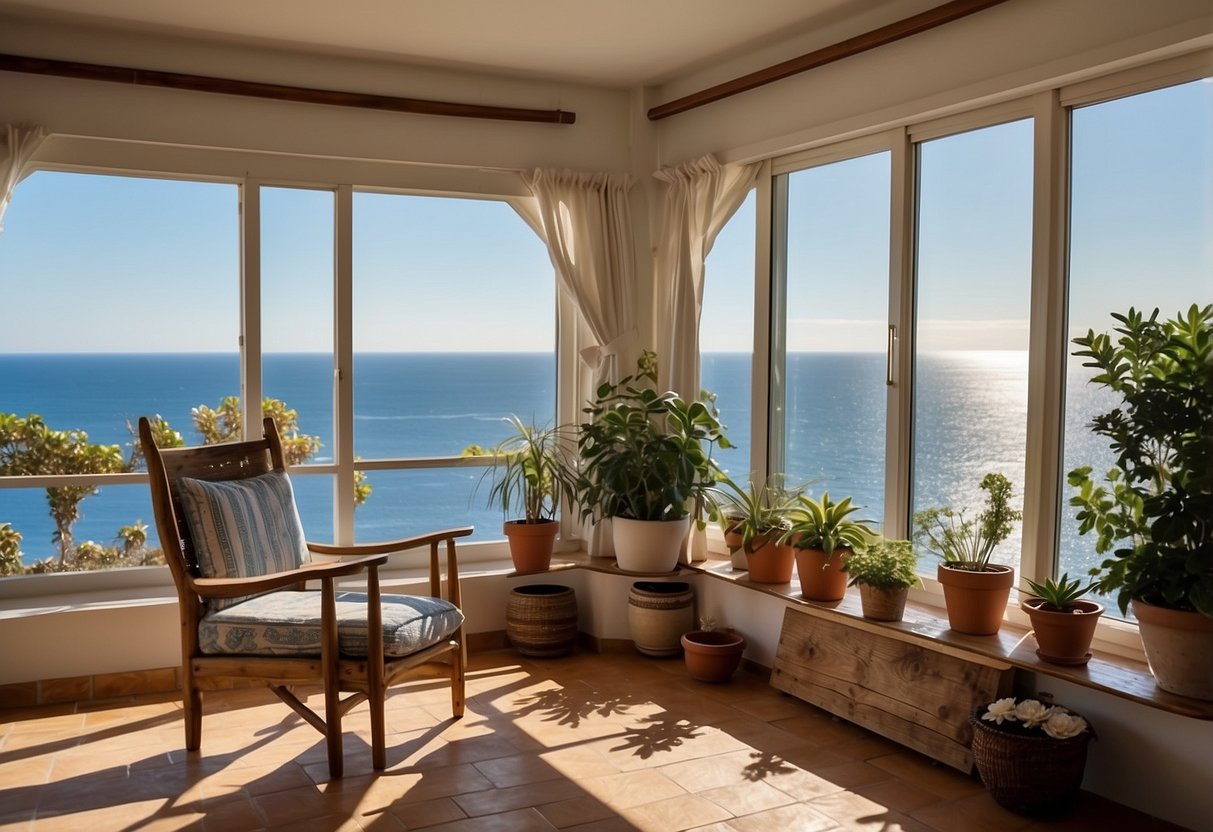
(243, 528)
(288, 624)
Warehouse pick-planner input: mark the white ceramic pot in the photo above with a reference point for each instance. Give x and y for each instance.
(649, 545)
(1179, 648)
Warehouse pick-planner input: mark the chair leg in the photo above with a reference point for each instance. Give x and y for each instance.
(378, 730)
(332, 690)
(191, 700)
(457, 682)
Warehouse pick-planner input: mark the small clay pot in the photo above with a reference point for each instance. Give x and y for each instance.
(531, 544)
(1063, 637)
(712, 655)
(821, 576)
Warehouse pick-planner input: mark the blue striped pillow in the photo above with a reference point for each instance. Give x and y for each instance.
(243, 528)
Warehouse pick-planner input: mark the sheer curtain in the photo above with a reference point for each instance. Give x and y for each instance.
(586, 221)
(20, 142)
(700, 198)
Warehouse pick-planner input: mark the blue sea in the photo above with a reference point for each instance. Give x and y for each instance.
(971, 418)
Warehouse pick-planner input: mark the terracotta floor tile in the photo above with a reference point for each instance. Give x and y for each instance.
(747, 798)
(610, 743)
(575, 812)
(675, 814)
(427, 812)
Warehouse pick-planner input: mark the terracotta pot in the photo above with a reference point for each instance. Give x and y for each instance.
(882, 604)
(1179, 648)
(976, 600)
(1063, 637)
(712, 656)
(770, 563)
(822, 578)
(737, 555)
(658, 615)
(531, 544)
(649, 546)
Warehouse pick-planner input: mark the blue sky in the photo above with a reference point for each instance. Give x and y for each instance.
(149, 265)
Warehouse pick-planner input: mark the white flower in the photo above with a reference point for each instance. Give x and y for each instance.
(1000, 710)
(1031, 713)
(1062, 725)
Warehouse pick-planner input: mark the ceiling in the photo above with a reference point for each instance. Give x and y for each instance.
(616, 43)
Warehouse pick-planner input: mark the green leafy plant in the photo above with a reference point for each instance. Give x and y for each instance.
(756, 513)
(968, 542)
(646, 455)
(883, 564)
(529, 471)
(824, 525)
(1059, 595)
(1157, 500)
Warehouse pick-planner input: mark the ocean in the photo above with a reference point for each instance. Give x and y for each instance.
(971, 418)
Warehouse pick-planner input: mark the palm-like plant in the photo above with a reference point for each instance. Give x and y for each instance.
(823, 524)
(529, 471)
(756, 513)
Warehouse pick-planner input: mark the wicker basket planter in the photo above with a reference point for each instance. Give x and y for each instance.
(541, 619)
(1029, 774)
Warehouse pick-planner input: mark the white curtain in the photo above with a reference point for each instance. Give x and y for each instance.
(700, 198)
(20, 142)
(586, 221)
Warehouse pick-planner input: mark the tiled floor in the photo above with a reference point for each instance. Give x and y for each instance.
(594, 743)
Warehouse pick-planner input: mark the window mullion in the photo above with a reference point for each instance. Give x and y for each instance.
(250, 307)
(343, 364)
(901, 315)
(1047, 340)
(770, 336)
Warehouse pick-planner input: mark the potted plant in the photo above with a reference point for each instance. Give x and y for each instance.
(975, 591)
(1157, 500)
(1064, 624)
(528, 475)
(824, 538)
(754, 519)
(1030, 755)
(646, 463)
(712, 655)
(884, 570)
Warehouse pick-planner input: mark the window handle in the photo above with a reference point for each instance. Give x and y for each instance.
(890, 354)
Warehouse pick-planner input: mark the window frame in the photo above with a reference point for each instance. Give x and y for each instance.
(250, 171)
(1050, 109)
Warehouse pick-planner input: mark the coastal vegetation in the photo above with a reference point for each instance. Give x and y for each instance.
(30, 447)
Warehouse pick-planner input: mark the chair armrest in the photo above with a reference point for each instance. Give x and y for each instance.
(236, 587)
(389, 546)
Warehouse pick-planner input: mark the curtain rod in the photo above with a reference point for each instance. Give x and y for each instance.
(843, 49)
(280, 92)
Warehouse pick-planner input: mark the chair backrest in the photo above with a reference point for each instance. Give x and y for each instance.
(228, 461)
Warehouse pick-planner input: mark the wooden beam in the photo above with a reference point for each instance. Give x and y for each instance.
(844, 49)
(279, 92)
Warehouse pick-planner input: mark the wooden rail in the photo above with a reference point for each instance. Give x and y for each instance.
(843, 49)
(278, 92)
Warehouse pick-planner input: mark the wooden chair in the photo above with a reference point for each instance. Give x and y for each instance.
(259, 622)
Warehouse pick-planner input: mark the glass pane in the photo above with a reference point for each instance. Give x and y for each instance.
(128, 291)
(314, 499)
(973, 281)
(726, 333)
(297, 310)
(454, 325)
(1141, 235)
(422, 500)
(837, 329)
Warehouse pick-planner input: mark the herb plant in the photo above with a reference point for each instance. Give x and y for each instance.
(968, 542)
(883, 564)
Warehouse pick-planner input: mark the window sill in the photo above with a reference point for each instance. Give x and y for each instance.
(1013, 645)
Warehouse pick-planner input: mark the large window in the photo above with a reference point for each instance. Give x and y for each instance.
(834, 221)
(972, 278)
(1141, 235)
(122, 300)
(454, 328)
(726, 334)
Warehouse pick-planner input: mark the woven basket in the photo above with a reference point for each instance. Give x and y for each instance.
(1037, 776)
(541, 619)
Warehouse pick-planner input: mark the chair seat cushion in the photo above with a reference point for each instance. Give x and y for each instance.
(288, 624)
